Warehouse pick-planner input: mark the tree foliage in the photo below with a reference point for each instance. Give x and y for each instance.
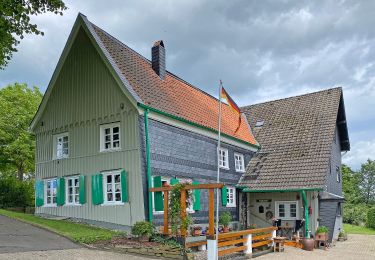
(16, 193)
(367, 181)
(18, 105)
(15, 22)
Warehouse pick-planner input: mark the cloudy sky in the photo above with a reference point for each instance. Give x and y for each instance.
(262, 50)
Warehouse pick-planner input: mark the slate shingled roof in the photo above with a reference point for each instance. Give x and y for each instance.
(172, 95)
(296, 136)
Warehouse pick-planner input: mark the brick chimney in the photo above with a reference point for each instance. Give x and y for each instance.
(158, 58)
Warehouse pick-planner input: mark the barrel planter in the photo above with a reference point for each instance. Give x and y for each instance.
(308, 244)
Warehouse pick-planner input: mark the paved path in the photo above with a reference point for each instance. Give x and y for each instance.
(17, 236)
(356, 247)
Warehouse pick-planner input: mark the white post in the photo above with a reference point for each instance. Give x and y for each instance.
(211, 249)
(273, 236)
(249, 245)
(202, 248)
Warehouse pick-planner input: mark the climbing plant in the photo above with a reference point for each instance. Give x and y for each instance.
(175, 219)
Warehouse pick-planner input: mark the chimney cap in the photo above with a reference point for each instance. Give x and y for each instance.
(160, 42)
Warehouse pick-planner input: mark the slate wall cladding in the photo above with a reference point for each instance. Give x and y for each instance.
(327, 214)
(333, 186)
(179, 153)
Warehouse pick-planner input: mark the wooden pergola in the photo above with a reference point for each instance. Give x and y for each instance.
(211, 204)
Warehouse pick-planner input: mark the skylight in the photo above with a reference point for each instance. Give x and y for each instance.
(259, 123)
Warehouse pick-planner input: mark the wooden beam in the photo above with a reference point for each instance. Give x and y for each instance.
(258, 244)
(231, 250)
(183, 210)
(211, 212)
(166, 199)
(191, 187)
(246, 232)
(232, 242)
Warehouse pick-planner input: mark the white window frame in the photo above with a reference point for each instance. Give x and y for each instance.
(51, 204)
(287, 210)
(167, 180)
(224, 164)
(56, 156)
(338, 175)
(74, 202)
(231, 191)
(114, 202)
(102, 137)
(239, 162)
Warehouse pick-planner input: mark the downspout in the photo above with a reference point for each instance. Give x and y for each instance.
(305, 204)
(148, 165)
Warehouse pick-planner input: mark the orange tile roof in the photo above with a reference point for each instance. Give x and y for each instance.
(172, 95)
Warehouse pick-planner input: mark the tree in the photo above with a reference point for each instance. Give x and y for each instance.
(350, 185)
(367, 182)
(15, 22)
(18, 105)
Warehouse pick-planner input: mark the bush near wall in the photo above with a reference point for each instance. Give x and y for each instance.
(371, 218)
(15, 193)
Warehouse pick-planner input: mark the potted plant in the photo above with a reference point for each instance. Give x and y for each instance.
(321, 233)
(225, 219)
(197, 231)
(343, 236)
(143, 230)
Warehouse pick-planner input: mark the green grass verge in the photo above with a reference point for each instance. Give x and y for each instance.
(77, 232)
(352, 229)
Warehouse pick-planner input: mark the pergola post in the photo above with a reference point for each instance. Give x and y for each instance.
(183, 211)
(166, 199)
(211, 213)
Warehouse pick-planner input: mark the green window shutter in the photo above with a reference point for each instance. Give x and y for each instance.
(39, 193)
(97, 189)
(124, 187)
(224, 193)
(158, 196)
(60, 200)
(82, 189)
(174, 181)
(197, 197)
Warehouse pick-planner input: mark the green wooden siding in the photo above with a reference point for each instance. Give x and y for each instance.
(84, 97)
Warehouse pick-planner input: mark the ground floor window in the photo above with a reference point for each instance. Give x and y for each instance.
(72, 190)
(112, 187)
(231, 197)
(51, 192)
(286, 209)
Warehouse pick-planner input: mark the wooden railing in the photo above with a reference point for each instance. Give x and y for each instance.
(245, 240)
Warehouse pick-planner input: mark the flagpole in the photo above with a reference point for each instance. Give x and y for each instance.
(218, 172)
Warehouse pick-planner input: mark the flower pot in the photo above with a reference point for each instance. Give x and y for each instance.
(321, 236)
(226, 229)
(144, 238)
(308, 244)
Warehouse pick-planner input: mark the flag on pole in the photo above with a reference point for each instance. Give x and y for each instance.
(232, 105)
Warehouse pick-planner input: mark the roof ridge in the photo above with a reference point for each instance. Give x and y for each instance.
(149, 61)
(291, 97)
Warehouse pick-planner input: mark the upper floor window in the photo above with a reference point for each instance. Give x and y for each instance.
(110, 137)
(61, 144)
(112, 187)
(50, 192)
(223, 158)
(231, 197)
(286, 209)
(239, 162)
(72, 190)
(338, 177)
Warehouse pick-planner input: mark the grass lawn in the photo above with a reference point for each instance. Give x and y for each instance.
(352, 229)
(77, 232)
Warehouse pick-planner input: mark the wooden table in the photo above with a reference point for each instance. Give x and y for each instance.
(279, 244)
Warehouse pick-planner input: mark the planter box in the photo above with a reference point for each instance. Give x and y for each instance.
(321, 236)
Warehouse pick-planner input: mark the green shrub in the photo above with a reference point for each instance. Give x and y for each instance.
(355, 214)
(225, 218)
(371, 218)
(16, 193)
(143, 228)
(322, 229)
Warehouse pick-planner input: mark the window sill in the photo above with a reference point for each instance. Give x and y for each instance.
(50, 206)
(231, 206)
(72, 205)
(224, 168)
(113, 204)
(240, 171)
(60, 158)
(110, 150)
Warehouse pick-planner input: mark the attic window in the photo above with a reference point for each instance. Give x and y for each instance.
(259, 123)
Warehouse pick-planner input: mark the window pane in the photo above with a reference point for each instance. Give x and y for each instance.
(117, 187)
(109, 187)
(70, 190)
(293, 210)
(116, 137)
(65, 139)
(116, 144)
(54, 199)
(76, 199)
(107, 131)
(109, 197)
(70, 198)
(107, 138)
(118, 196)
(117, 178)
(107, 145)
(48, 200)
(109, 178)
(69, 182)
(76, 190)
(281, 210)
(76, 182)
(116, 129)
